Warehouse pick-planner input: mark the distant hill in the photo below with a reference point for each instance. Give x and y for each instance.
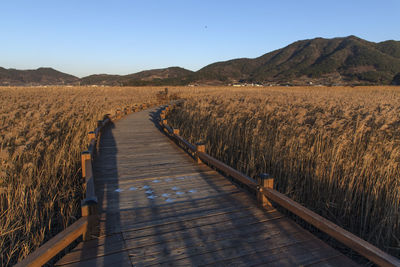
(171, 76)
(41, 76)
(101, 79)
(349, 60)
(338, 61)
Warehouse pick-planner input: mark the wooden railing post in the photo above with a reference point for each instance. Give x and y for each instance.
(89, 210)
(91, 136)
(264, 181)
(84, 156)
(200, 147)
(118, 114)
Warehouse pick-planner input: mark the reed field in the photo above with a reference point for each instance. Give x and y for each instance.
(42, 133)
(335, 150)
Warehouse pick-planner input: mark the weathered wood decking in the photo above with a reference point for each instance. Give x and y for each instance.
(159, 207)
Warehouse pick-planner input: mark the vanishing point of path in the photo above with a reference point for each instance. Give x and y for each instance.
(158, 207)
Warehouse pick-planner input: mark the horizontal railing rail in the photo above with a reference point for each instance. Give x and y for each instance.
(352, 241)
(265, 193)
(86, 226)
(55, 245)
(244, 179)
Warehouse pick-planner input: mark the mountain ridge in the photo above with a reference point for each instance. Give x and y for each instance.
(40, 76)
(337, 61)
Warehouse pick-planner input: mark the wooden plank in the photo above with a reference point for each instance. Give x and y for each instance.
(160, 184)
(209, 234)
(146, 235)
(237, 199)
(114, 174)
(210, 250)
(224, 220)
(139, 179)
(94, 248)
(120, 259)
(212, 240)
(141, 191)
(156, 200)
(290, 254)
(156, 243)
(352, 241)
(100, 241)
(339, 260)
(132, 224)
(52, 247)
(217, 225)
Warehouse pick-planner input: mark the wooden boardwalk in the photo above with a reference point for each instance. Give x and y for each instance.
(159, 207)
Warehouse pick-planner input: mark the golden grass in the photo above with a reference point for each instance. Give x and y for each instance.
(336, 150)
(43, 131)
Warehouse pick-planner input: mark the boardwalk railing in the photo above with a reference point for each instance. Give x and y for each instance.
(86, 226)
(263, 188)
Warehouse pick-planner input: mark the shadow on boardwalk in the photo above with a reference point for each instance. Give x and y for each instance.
(159, 207)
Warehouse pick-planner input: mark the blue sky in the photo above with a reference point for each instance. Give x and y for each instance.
(121, 37)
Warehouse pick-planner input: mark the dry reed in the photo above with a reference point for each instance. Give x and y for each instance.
(335, 150)
(43, 131)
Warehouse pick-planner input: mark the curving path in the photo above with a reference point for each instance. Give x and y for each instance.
(159, 207)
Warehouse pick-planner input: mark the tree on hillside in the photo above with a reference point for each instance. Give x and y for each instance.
(396, 79)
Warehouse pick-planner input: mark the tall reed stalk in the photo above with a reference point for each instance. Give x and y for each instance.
(42, 133)
(335, 150)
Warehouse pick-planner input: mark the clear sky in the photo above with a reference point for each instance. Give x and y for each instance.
(83, 37)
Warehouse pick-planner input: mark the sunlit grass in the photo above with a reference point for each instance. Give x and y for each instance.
(336, 150)
(43, 132)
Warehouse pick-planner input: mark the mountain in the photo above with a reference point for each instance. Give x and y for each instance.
(101, 79)
(348, 60)
(338, 61)
(41, 76)
(167, 76)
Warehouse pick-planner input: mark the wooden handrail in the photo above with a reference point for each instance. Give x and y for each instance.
(188, 145)
(52, 247)
(86, 224)
(89, 180)
(352, 241)
(169, 129)
(228, 170)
